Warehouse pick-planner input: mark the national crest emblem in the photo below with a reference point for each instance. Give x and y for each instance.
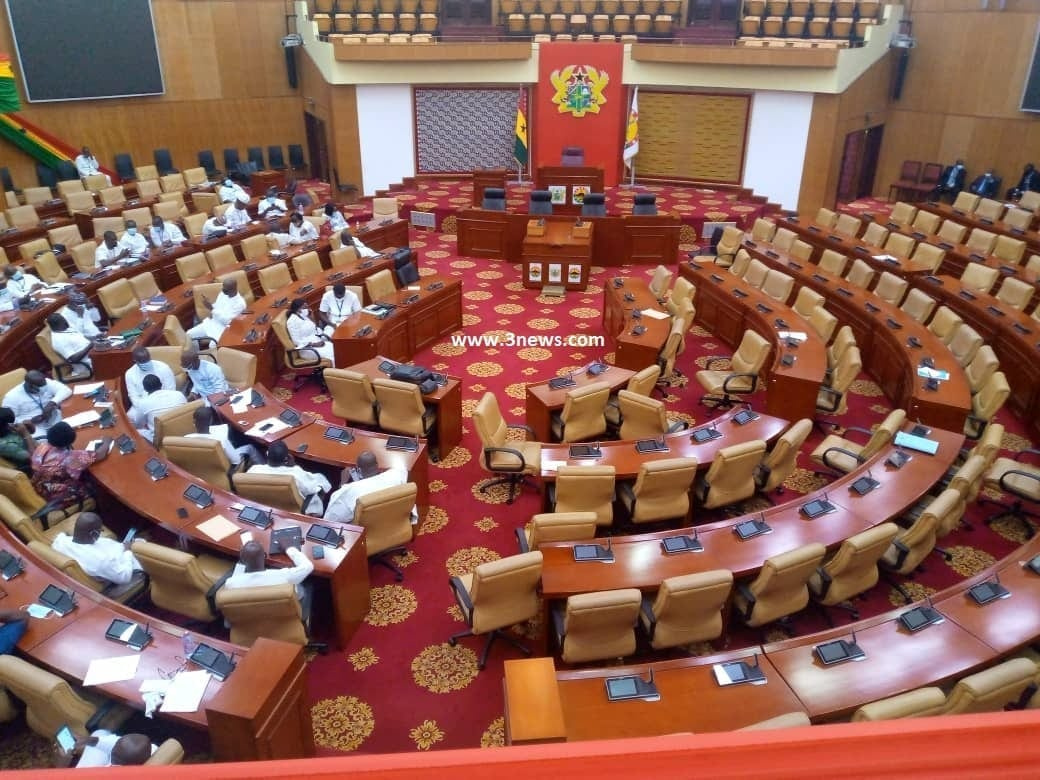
(579, 89)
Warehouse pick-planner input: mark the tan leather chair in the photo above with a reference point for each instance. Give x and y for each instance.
(952, 232)
(945, 323)
(63, 370)
(683, 289)
(148, 188)
(993, 689)
(763, 230)
(823, 323)
(239, 367)
(778, 286)
(382, 208)
(921, 703)
(172, 182)
(584, 414)
(912, 545)
(142, 215)
(191, 267)
(979, 277)
(989, 209)
(660, 281)
(832, 398)
(50, 702)
(142, 172)
(844, 341)
(1015, 293)
(306, 265)
(25, 526)
(497, 595)
(65, 234)
(981, 241)
(193, 224)
(386, 516)
(118, 298)
(269, 611)
(176, 336)
(926, 258)
(49, 270)
(595, 626)
(899, 245)
(103, 224)
(642, 382)
(205, 458)
(781, 588)
(124, 594)
(112, 197)
(401, 409)
(784, 239)
(824, 217)
(66, 187)
(875, 235)
(860, 274)
(843, 455)
(778, 464)
(556, 527)
(891, 288)
(986, 403)
(220, 258)
(195, 177)
(643, 417)
(169, 753)
(966, 201)
(274, 278)
(741, 379)
(729, 244)
(848, 225)
(1018, 219)
(276, 490)
(852, 570)
(144, 286)
(179, 421)
(731, 476)
(741, 261)
(674, 346)
(789, 720)
(965, 344)
(353, 398)
(508, 457)
(23, 216)
(254, 248)
(584, 489)
(181, 582)
(29, 250)
(926, 222)
(10, 380)
(661, 490)
(345, 255)
(81, 201)
(380, 285)
(833, 262)
(1020, 480)
(170, 210)
(918, 305)
(756, 273)
(305, 362)
(686, 609)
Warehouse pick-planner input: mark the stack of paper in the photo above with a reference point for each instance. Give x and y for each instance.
(86, 387)
(83, 418)
(185, 691)
(218, 527)
(109, 670)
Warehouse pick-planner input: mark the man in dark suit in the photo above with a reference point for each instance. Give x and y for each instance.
(951, 182)
(986, 185)
(1030, 182)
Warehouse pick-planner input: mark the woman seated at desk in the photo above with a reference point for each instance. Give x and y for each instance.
(304, 333)
(58, 470)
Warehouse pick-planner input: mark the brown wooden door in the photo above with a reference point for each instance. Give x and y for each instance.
(859, 163)
(317, 147)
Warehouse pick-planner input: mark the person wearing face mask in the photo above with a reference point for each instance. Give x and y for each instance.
(97, 555)
(271, 206)
(79, 315)
(110, 251)
(164, 234)
(334, 219)
(19, 283)
(142, 367)
(228, 305)
(206, 376)
(37, 400)
(229, 192)
(213, 227)
(135, 244)
(305, 333)
(69, 342)
(301, 230)
(336, 305)
(57, 469)
(237, 217)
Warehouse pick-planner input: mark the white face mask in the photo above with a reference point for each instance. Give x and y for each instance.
(131, 231)
(305, 313)
(227, 183)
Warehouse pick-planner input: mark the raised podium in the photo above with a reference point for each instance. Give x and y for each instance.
(568, 184)
(556, 255)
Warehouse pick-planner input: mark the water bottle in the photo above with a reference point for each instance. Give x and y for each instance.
(188, 644)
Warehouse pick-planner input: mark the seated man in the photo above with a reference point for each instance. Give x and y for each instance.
(205, 429)
(271, 206)
(37, 400)
(348, 239)
(228, 305)
(155, 401)
(16, 442)
(110, 251)
(301, 230)
(100, 557)
(20, 283)
(985, 186)
(336, 305)
(69, 342)
(237, 217)
(212, 227)
(367, 479)
(249, 572)
(103, 748)
(165, 234)
(142, 367)
(135, 244)
(310, 485)
(87, 165)
(81, 316)
(334, 219)
(951, 181)
(1030, 182)
(229, 191)
(206, 376)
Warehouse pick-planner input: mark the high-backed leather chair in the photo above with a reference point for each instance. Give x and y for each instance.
(594, 205)
(843, 342)
(49, 270)
(1022, 481)
(926, 222)
(727, 247)
(124, 594)
(511, 459)
(823, 323)
(239, 367)
(380, 285)
(993, 689)
(789, 720)
(661, 490)
(832, 398)
(981, 242)
(860, 274)
(731, 477)
(986, 403)
(848, 225)
(781, 588)
(63, 370)
(143, 172)
(784, 239)
(205, 458)
(29, 249)
(778, 464)
(644, 203)
(169, 753)
(497, 595)
(843, 455)
(833, 262)
(23, 216)
(274, 277)
(583, 416)
(584, 489)
(778, 286)
(306, 265)
(270, 611)
(920, 703)
(945, 323)
(890, 288)
(144, 286)
(494, 199)
(353, 398)
(191, 266)
(642, 382)
(912, 545)
(899, 245)
(741, 379)
(346, 255)
(926, 257)
(112, 197)
(304, 362)
(223, 257)
(277, 490)
(825, 217)
(756, 273)
(964, 344)
(401, 409)
(918, 305)
(540, 203)
(1015, 293)
(118, 298)
(875, 235)
(966, 201)
(556, 527)
(181, 582)
(763, 230)
(853, 569)
(674, 346)
(741, 261)
(952, 232)
(254, 248)
(643, 417)
(686, 609)
(178, 421)
(979, 277)
(383, 208)
(386, 516)
(594, 626)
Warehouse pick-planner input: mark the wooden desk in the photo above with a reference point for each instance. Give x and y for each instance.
(482, 179)
(532, 702)
(821, 239)
(569, 176)
(946, 211)
(12, 238)
(260, 181)
(542, 400)
(85, 219)
(634, 351)
(558, 256)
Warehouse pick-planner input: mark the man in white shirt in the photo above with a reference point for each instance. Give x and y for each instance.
(110, 251)
(20, 283)
(154, 402)
(165, 234)
(310, 485)
(135, 244)
(81, 316)
(69, 342)
(37, 400)
(97, 555)
(336, 220)
(103, 748)
(205, 429)
(249, 572)
(348, 239)
(229, 304)
(87, 165)
(271, 206)
(336, 305)
(213, 226)
(206, 376)
(142, 367)
(342, 502)
(301, 230)
(229, 191)
(237, 217)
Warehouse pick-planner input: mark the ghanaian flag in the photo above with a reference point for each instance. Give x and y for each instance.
(8, 91)
(520, 145)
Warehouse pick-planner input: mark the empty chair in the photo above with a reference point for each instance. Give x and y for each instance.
(686, 609)
(847, 225)
(926, 223)
(1020, 480)
(296, 158)
(986, 403)
(899, 245)
(386, 516)
(731, 477)
(118, 299)
(163, 162)
(781, 588)
(979, 277)
(890, 288)
(741, 261)
(271, 611)
(853, 569)
(756, 273)
(1015, 293)
(353, 398)
(860, 274)
(875, 235)
(779, 463)
(833, 262)
(926, 257)
(727, 246)
(275, 158)
(832, 398)
(981, 241)
(644, 203)
(579, 489)
(191, 266)
(843, 455)
(583, 414)
(144, 286)
(920, 703)
(661, 490)
(807, 301)
(989, 209)
(945, 323)
(789, 720)
(643, 417)
(993, 689)
(274, 277)
(964, 344)
(540, 202)
(913, 545)
(208, 164)
(231, 162)
(511, 460)
(23, 217)
(112, 197)
(659, 282)
(825, 217)
(1010, 250)
(494, 199)
(181, 582)
(239, 366)
(763, 230)
(497, 595)
(556, 527)
(594, 626)
(205, 458)
(401, 409)
(383, 208)
(784, 239)
(594, 205)
(380, 285)
(778, 285)
(1018, 219)
(953, 232)
(642, 382)
(741, 379)
(918, 305)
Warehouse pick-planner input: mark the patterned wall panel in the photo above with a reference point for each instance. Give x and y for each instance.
(692, 136)
(463, 129)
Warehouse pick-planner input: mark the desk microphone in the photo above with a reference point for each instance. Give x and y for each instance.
(853, 635)
(637, 314)
(754, 658)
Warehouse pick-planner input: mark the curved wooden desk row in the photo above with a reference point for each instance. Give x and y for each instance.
(129, 492)
(270, 676)
(573, 705)
(946, 211)
(634, 351)
(12, 238)
(822, 238)
(883, 334)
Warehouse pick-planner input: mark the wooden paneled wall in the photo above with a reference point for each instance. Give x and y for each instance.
(962, 90)
(226, 86)
(336, 106)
